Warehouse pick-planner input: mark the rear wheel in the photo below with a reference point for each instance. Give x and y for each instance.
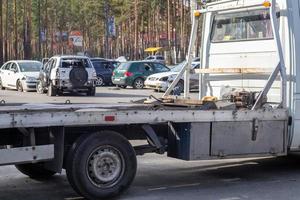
(138, 83)
(19, 86)
(35, 171)
(100, 81)
(1, 85)
(52, 91)
(103, 165)
(39, 88)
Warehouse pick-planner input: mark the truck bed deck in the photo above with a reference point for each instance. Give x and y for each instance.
(47, 115)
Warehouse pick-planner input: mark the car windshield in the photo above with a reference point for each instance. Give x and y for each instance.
(30, 66)
(150, 58)
(247, 25)
(103, 65)
(178, 67)
(68, 63)
(124, 66)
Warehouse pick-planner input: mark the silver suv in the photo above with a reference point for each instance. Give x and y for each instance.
(67, 74)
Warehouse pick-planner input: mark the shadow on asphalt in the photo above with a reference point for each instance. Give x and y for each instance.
(165, 179)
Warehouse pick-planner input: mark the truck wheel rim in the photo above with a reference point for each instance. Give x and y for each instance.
(139, 84)
(105, 167)
(99, 81)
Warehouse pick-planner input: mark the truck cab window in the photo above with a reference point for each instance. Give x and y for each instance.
(242, 26)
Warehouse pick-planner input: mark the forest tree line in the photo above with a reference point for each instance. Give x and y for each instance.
(34, 29)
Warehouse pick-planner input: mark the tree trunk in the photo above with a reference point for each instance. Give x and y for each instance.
(27, 29)
(1, 33)
(15, 31)
(136, 29)
(6, 33)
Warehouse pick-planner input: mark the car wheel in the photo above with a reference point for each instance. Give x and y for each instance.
(138, 83)
(39, 88)
(52, 91)
(1, 85)
(179, 88)
(99, 81)
(102, 166)
(19, 86)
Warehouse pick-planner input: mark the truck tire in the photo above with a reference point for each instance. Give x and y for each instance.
(102, 166)
(35, 171)
(52, 92)
(68, 162)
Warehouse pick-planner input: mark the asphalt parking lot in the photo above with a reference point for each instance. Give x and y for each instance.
(160, 177)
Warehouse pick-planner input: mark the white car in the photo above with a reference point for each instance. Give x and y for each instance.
(156, 58)
(20, 74)
(161, 81)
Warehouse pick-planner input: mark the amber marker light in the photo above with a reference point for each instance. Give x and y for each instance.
(197, 13)
(267, 4)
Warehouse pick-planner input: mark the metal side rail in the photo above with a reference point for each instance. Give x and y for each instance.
(93, 117)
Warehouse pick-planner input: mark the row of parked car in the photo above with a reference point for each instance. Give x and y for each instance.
(61, 74)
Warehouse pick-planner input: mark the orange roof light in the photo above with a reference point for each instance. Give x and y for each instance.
(197, 13)
(267, 4)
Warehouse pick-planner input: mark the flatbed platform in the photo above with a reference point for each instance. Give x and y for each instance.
(47, 115)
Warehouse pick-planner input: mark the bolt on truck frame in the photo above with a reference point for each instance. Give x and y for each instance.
(242, 41)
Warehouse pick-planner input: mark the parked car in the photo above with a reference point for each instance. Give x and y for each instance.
(99, 59)
(156, 58)
(20, 74)
(104, 70)
(135, 73)
(67, 74)
(161, 81)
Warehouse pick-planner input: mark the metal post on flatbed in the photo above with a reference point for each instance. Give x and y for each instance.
(275, 26)
(187, 66)
(281, 66)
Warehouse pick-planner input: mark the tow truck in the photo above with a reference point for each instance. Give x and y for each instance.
(248, 106)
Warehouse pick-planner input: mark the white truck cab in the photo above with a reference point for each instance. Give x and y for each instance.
(239, 34)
